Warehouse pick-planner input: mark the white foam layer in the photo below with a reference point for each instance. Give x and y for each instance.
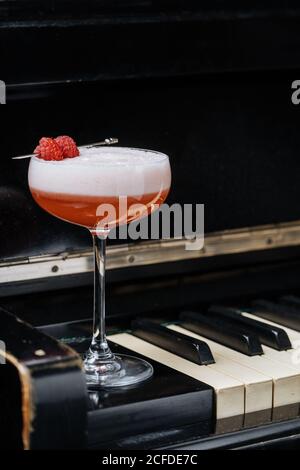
(103, 171)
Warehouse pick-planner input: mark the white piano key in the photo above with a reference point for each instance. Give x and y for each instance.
(286, 380)
(289, 358)
(229, 392)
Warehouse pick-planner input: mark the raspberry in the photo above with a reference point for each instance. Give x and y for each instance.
(48, 149)
(68, 146)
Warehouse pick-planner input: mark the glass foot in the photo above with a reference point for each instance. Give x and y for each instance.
(117, 371)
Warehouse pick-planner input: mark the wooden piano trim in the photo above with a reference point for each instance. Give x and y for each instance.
(145, 253)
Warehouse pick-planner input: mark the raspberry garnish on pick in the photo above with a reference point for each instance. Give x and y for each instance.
(48, 149)
(56, 149)
(68, 146)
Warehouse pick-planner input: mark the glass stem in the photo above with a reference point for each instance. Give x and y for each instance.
(99, 344)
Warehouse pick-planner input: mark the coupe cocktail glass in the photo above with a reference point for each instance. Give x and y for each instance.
(87, 190)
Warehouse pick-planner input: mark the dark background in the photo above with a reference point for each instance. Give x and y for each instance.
(209, 85)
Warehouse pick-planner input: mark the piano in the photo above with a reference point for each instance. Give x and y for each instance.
(210, 86)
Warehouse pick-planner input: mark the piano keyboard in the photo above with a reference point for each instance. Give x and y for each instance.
(254, 367)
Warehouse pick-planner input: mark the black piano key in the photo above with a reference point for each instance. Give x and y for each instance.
(219, 331)
(277, 312)
(269, 335)
(184, 346)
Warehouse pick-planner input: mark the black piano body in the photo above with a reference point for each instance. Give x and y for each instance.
(211, 86)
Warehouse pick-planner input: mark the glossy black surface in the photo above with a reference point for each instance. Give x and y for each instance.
(182, 345)
(217, 330)
(269, 335)
(282, 314)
